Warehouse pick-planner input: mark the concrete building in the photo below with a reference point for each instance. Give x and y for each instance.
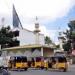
(32, 50)
(32, 43)
(27, 37)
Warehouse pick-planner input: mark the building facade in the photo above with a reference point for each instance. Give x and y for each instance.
(27, 37)
(32, 43)
(33, 50)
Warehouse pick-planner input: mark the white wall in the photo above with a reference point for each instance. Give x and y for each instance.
(41, 39)
(28, 37)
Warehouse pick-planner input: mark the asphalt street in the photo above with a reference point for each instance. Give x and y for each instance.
(71, 71)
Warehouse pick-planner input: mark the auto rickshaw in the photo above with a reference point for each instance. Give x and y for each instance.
(39, 62)
(58, 63)
(18, 62)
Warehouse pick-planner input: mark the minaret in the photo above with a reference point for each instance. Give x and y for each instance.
(60, 41)
(36, 31)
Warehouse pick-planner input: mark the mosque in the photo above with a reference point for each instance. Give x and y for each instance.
(32, 43)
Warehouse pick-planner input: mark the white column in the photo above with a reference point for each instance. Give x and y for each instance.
(61, 45)
(41, 51)
(36, 38)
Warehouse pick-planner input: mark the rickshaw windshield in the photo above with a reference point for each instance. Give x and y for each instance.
(18, 59)
(62, 59)
(24, 59)
(38, 59)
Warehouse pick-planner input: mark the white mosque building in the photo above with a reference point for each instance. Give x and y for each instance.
(26, 36)
(32, 43)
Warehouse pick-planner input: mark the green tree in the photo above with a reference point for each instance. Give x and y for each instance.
(48, 40)
(70, 35)
(6, 37)
(67, 46)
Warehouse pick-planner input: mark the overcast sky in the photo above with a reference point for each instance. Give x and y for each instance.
(52, 14)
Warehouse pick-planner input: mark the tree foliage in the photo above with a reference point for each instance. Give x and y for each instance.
(67, 46)
(70, 35)
(48, 40)
(6, 37)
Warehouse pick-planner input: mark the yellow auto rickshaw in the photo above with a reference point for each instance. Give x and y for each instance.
(58, 62)
(39, 62)
(18, 62)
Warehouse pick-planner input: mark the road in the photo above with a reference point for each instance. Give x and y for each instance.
(71, 71)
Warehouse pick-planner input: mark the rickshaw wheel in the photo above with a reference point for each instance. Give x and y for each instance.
(63, 69)
(25, 69)
(42, 68)
(46, 68)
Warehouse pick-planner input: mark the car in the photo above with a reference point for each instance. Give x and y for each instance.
(4, 71)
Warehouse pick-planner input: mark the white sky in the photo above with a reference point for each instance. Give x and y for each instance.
(46, 10)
